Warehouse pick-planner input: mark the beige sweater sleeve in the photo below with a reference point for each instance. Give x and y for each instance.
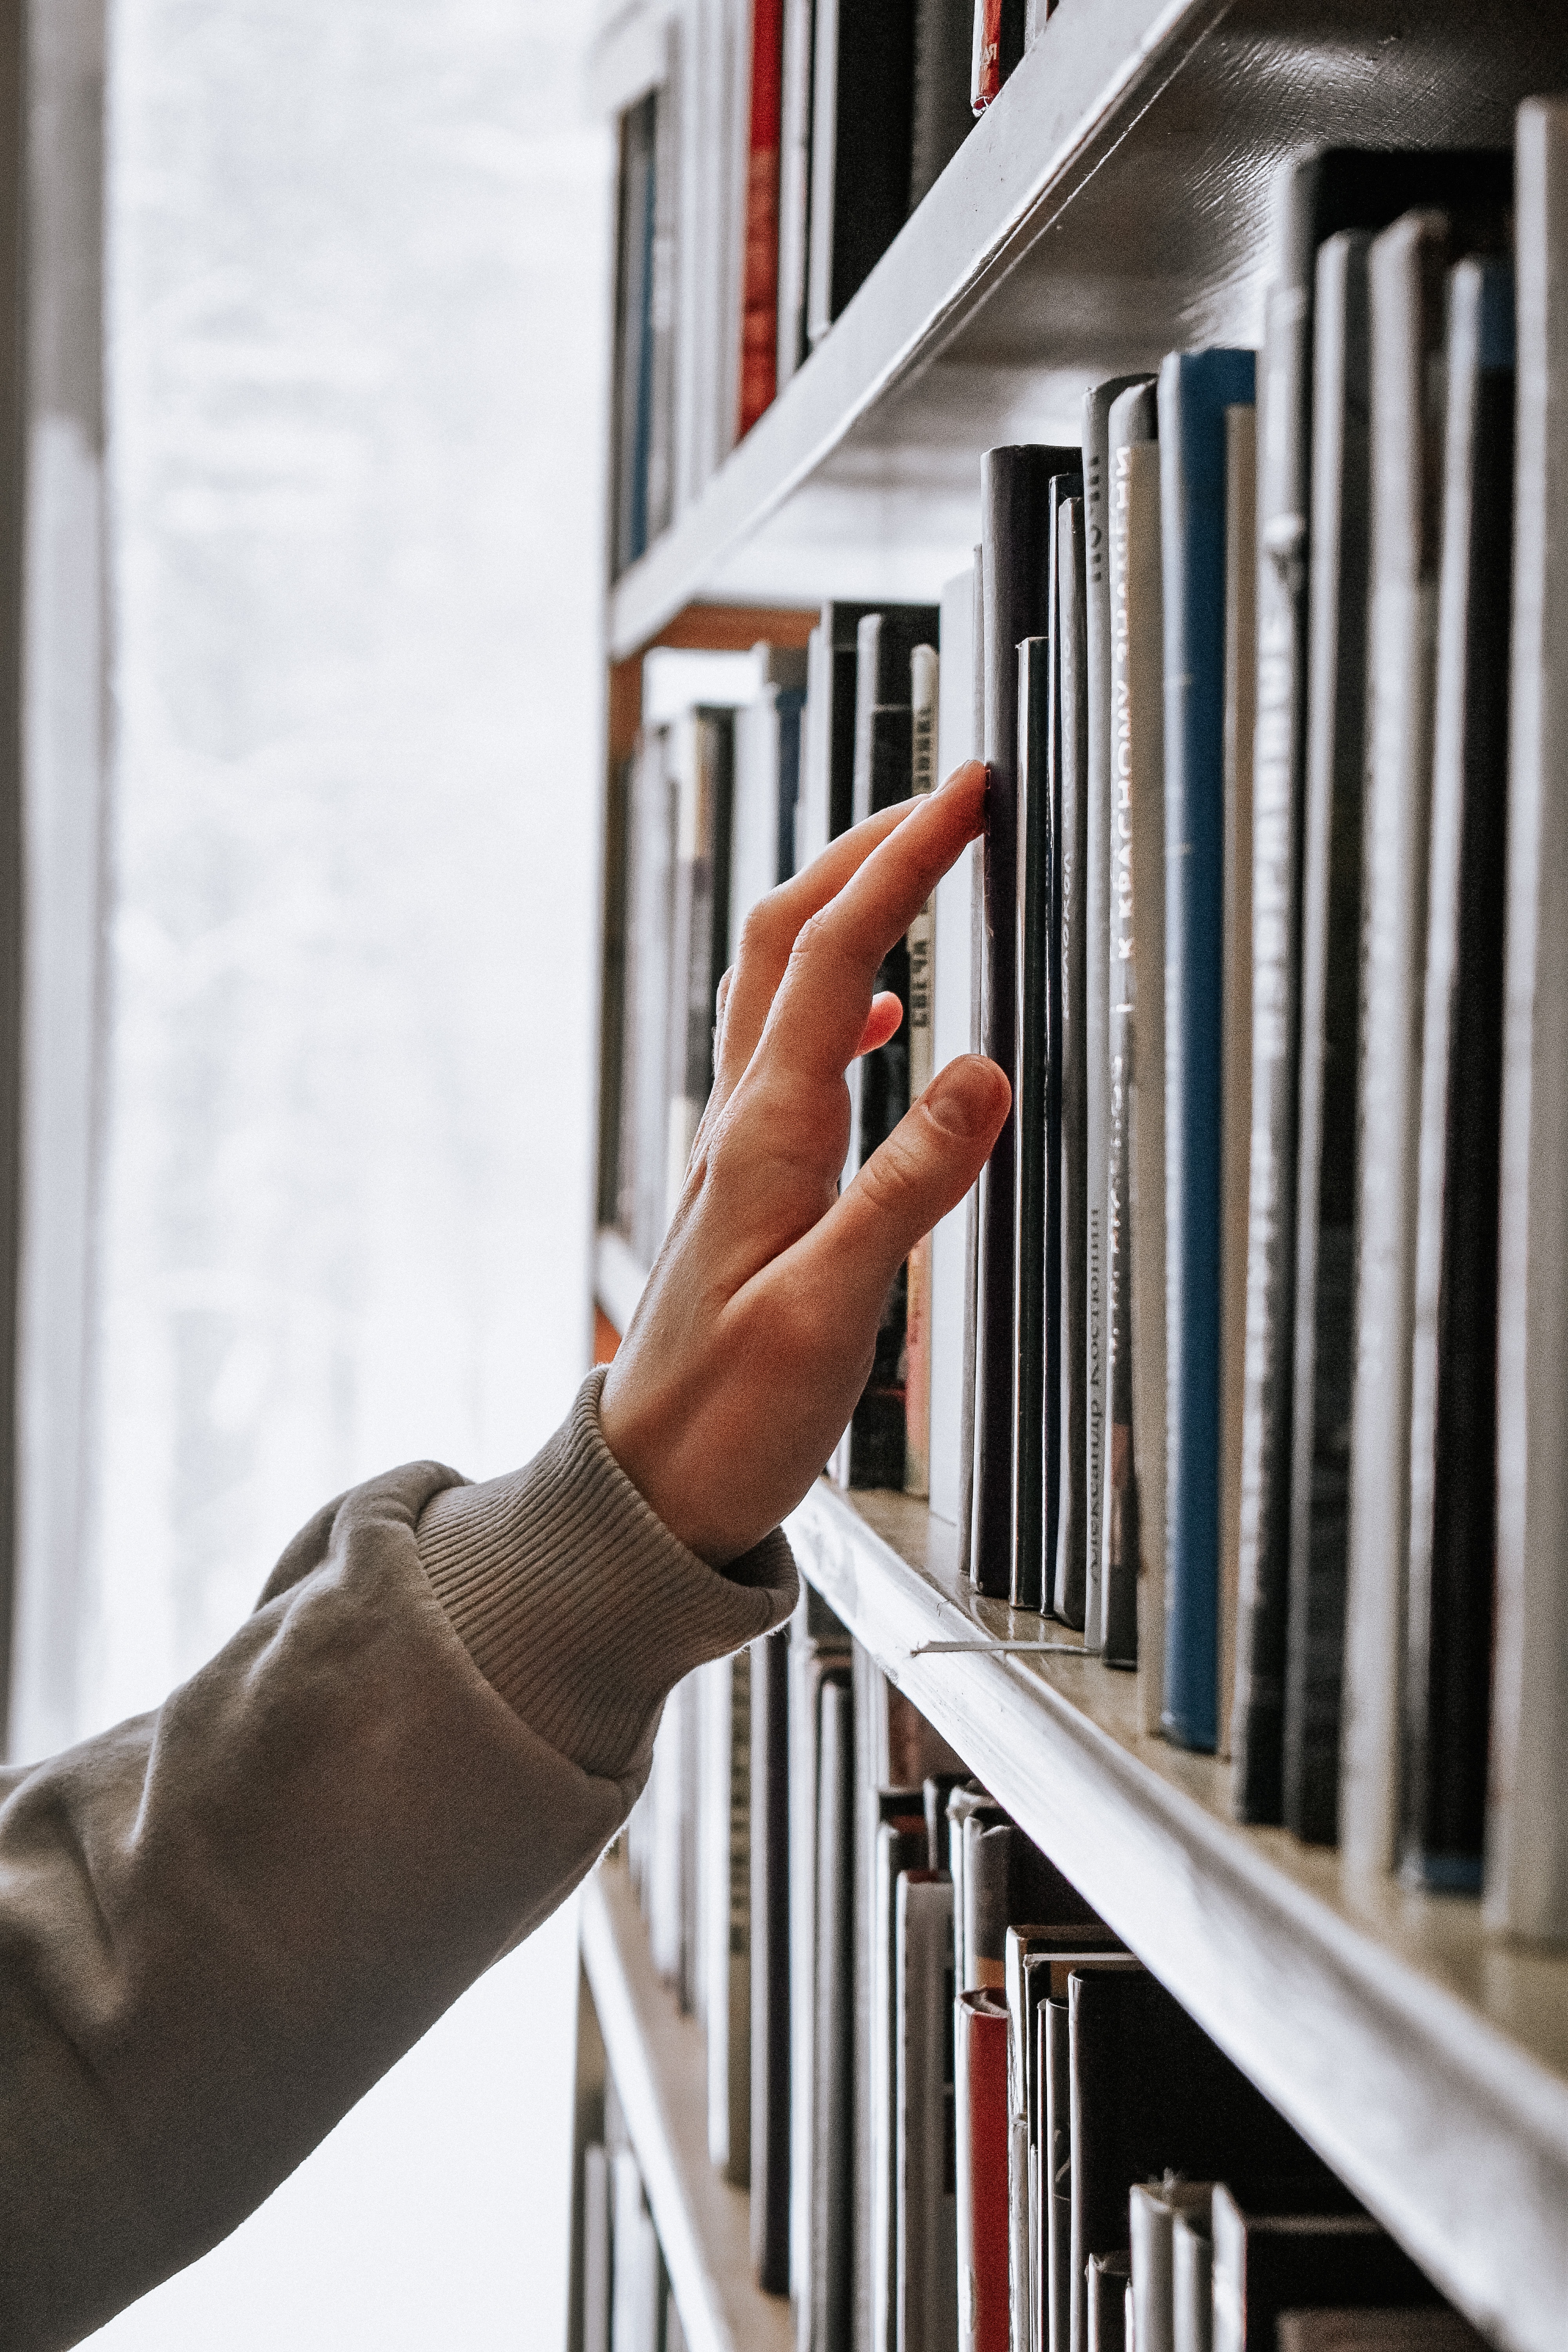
(219, 1924)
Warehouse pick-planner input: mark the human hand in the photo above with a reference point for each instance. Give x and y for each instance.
(757, 1327)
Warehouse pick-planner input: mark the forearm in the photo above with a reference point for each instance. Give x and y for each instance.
(221, 1923)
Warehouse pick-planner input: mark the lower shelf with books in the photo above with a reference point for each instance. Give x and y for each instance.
(1428, 2067)
(657, 2060)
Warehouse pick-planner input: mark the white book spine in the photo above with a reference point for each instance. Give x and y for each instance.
(824, 171)
(1401, 637)
(950, 1021)
(1527, 1821)
(794, 184)
(924, 690)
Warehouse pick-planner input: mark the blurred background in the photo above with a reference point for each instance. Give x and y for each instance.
(311, 788)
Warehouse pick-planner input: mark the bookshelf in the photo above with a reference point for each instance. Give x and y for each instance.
(659, 2064)
(1112, 204)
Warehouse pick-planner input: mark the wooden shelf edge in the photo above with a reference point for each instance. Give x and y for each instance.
(658, 2061)
(1349, 2008)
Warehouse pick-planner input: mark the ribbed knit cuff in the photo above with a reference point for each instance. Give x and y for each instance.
(577, 1604)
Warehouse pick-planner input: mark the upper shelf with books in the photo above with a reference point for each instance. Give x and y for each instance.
(1113, 204)
(1430, 2069)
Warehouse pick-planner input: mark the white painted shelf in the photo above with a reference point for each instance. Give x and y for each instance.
(1112, 204)
(1428, 2066)
(659, 2060)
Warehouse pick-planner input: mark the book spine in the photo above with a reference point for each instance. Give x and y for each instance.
(1134, 1603)
(970, 1421)
(1330, 1039)
(941, 111)
(725, 1793)
(1057, 2195)
(1034, 1048)
(827, 2314)
(794, 184)
(981, 2100)
(1196, 391)
(900, 1847)
(1407, 277)
(1453, 1365)
(661, 312)
(1072, 1062)
(1263, 1553)
(950, 1034)
(985, 55)
(926, 2257)
(1131, 422)
(1192, 2285)
(823, 169)
(1236, 1015)
(1097, 406)
(921, 950)
(1014, 485)
(1527, 1831)
(760, 290)
(1062, 486)
(770, 1961)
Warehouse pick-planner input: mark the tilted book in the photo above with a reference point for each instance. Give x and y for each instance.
(1065, 1564)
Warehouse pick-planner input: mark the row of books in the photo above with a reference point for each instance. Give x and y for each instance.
(759, 183)
(969, 2119)
(1230, 1371)
(702, 825)
(626, 2300)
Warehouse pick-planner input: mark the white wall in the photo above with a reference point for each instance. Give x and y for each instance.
(356, 291)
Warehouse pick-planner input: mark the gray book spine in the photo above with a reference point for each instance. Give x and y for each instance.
(1096, 407)
(1407, 267)
(1527, 1823)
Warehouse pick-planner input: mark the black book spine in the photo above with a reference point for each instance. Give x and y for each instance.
(1062, 488)
(1014, 487)
(883, 775)
(1330, 1032)
(1072, 764)
(770, 1962)
(970, 1374)
(1453, 1451)
(873, 137)
(1033, 1044)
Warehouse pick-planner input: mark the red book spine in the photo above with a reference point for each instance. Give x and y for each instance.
(760, 290)
(985, 71)
(984, 2314)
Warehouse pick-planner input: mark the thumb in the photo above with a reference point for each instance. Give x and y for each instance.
(925, 1167)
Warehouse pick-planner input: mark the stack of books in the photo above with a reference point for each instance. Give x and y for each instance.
(969, 2119)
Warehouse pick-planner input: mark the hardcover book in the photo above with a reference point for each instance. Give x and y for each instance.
(1196, 390)
(1527, 1823)
(1078, 1599)
(1453, 1435)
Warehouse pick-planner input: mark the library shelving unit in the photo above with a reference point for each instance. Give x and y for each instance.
(1114, 204)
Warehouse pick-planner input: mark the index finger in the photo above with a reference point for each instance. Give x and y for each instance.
(819, 1011)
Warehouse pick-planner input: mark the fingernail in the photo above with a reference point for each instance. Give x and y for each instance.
(964, 1101)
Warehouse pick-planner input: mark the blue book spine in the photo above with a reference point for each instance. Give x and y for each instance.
(1195, 391)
